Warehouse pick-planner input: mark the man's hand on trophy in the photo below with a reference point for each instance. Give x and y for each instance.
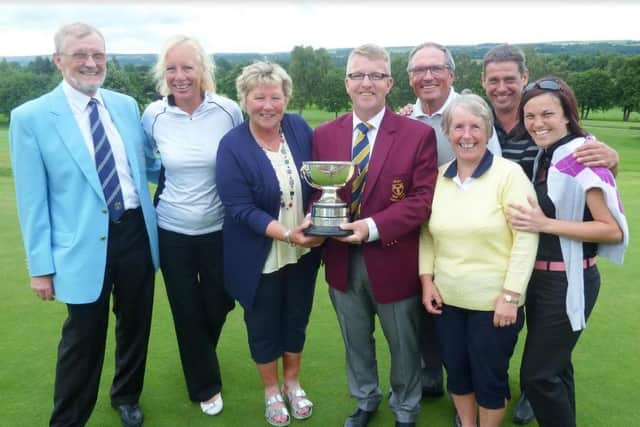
(360, 230)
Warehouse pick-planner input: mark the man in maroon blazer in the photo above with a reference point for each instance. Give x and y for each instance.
(375, 270)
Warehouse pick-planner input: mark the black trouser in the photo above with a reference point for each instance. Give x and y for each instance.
(193, 275)
(429, 347)
(547, 372)
(129, 275)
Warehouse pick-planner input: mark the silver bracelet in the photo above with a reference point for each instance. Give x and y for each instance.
(287, 237)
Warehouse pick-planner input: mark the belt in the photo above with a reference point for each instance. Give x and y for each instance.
(561, 266)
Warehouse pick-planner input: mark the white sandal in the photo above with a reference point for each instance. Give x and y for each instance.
(298, 401)
(274, 406)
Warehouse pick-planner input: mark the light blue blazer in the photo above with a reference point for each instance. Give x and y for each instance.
(61, 207)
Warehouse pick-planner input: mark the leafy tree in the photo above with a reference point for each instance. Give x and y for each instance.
(616, 63)
(557, 66)
(226, 79)
(6, 66)
(19, 85)
(401, 93)
(600, 78)
(222, 65)
(627, 87)
(333, 96)
(117, 79)
(42, 65)
(593, 89)
(307, 68)
(468, 74)
(540, 65)
(141, 85)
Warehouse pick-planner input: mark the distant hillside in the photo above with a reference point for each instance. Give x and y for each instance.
(339, 55)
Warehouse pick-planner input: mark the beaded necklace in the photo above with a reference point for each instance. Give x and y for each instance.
(287, 163)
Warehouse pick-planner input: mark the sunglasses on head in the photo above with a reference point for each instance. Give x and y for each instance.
(544, 85)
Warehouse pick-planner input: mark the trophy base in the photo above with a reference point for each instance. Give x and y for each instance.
(326, 231)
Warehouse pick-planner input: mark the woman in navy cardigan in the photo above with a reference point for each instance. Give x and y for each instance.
(269, 266)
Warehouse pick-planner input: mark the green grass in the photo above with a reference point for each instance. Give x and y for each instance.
(606, 359)
(614, 114)
(5, 163)
(315, 117)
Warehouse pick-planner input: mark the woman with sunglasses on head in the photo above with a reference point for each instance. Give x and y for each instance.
(578, 215)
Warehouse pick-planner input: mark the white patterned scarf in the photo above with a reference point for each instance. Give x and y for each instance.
(567, 185)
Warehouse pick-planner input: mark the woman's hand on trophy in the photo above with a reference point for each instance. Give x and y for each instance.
(297, 236)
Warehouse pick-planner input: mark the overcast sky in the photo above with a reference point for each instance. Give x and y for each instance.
(27, 28)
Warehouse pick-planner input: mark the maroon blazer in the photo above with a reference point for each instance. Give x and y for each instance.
(397, 195)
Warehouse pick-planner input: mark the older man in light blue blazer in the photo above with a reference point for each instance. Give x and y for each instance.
(88, 225)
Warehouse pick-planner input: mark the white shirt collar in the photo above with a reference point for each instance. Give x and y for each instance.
(417, 108)
(374, 121)
(77, 99)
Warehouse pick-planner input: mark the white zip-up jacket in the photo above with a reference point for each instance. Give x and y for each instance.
(181, 151)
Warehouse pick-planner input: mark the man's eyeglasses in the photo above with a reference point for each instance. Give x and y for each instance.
(544, 85)
(376, 77)
(98, 58)
(436, 70)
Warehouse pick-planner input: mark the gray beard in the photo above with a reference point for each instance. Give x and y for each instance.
(87, 89)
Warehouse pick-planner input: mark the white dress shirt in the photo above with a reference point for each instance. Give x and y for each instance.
(371, 135)
(79, 103)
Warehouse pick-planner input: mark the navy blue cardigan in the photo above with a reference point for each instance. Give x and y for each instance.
(249, 190)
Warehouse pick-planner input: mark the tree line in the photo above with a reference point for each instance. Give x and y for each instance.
(600, 81)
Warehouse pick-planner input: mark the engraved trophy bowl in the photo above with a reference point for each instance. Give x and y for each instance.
(329, 211)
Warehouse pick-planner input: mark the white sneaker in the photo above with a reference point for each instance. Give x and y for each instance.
(212, 408)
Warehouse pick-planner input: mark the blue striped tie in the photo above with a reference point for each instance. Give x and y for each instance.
(105, 164)
(360, 156)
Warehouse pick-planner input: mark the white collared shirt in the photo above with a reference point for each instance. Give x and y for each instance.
(373, 131)
(79, 103)
(371, 135)
(463, 185)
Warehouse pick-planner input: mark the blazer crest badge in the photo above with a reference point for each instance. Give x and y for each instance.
(398, 192)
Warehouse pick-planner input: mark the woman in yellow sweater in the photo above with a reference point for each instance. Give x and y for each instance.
(474, 267)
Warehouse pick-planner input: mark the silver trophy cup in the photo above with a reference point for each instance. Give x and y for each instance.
(329, 211)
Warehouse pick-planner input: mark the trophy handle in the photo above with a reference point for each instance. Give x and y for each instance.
(304, 172)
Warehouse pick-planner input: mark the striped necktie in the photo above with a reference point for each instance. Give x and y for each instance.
(105, 164)
(360, 155)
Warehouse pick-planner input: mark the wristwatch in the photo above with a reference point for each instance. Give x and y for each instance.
(510, 299)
